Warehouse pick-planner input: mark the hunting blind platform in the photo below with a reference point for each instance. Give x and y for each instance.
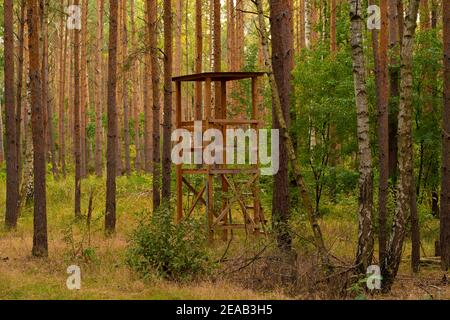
(229, 193)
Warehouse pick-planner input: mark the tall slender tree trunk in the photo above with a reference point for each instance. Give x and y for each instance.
(282, 50)
(382, 84)
(110, 216)
(405, 181)
(395, 37)
(19, 93)
(99, 90)
(364, 251)
(306, 200)
(198, 58)
(217, 48)
(333, 45)
(167, 125)
(445, 183)
(2, 152)
(62, 88)
(302, 25)
(46, 103)
(152, 33)
(40, 244)
(76, 119)
(125, 75)
(83, 88)
(135, 89)
(10, 121)
(178, 27)
(148, 97)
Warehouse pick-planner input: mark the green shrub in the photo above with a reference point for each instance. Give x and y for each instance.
(175, 251)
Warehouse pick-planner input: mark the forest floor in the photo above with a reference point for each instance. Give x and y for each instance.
(105, 275)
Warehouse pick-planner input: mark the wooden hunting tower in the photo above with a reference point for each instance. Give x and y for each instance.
(229, 193)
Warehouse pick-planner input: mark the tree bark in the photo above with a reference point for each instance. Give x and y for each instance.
(46, 102)
(152, 34)
(364, 251)
(198, 58)
(382, 84)
(76, 119)
(10, 121)
(135, 89)
(333, 45)
(40, 244)
(83, 88)
(19, 92)
(99, 90)
(125, 75)
(217, 49)
(405, 181)
(282, 49)
(167, 125)
(318, 239)
(2, 152)
(445, 182)
(62, 87)
(395, 27)
(110, 216)
(148, 97)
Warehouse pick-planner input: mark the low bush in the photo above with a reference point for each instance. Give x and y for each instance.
(175, 251)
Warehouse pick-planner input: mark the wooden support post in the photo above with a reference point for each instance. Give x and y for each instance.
(210, 199)
(179, 171)
(223, 115)
(255, 115)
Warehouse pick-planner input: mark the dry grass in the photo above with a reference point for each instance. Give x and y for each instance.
(105, 274)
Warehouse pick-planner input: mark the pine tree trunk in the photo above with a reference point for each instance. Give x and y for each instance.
(152, 33)
(46, 102)
(364, 251)
(318, 239)
(99, 90)
(394, 77)
(445, 183)
(110, 216)
(198, 58)
(167, 125)
(76, 119)
(2, 153)
(282, 49)
(10, 119)
(83, 88)
(62, 86)
(405, 181)
(125, 75)
(217, 49)
(19, 93)
(302, 25)
(135, 90)
(148, 98)
(40, 244)
(333, 45)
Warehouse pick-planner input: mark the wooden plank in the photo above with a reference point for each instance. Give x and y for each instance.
(230, 226)
(178, 169)
(195, 192)
(218, 76)
(198, 197)
(234, 121)
(223, 115)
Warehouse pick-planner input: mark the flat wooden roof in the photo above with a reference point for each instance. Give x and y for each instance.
(218, 76)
